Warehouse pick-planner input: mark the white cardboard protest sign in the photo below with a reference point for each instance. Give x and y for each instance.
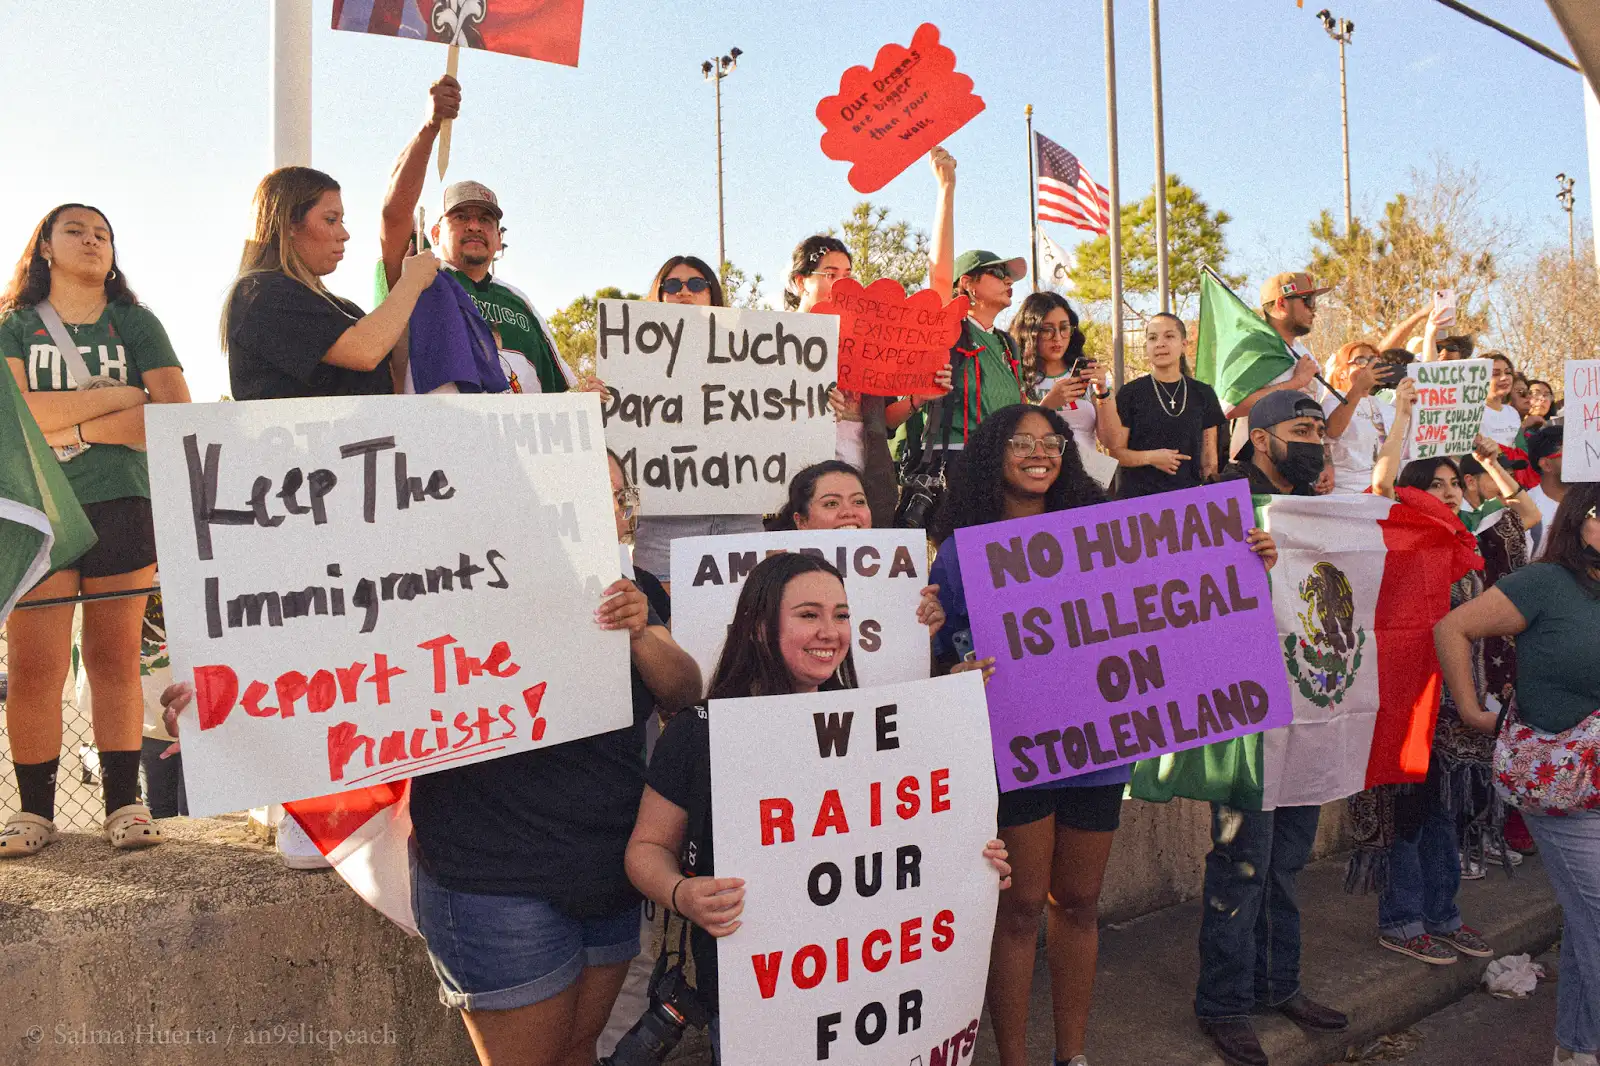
(885, 571)
(1580, 441)
(868, 904)
(1449, 409)
(712, 409)
(368, 589)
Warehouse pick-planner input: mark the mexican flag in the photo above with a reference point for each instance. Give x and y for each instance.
(1360, 583)
(1236, 351)
(365, 834)
(41, 524)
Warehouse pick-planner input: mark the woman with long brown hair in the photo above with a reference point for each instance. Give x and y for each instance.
(285, 333)
(87, 357)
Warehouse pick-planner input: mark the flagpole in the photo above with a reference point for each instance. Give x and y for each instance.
(1033, 203)
(289, 60)
(1114, 219)
(1163, 278)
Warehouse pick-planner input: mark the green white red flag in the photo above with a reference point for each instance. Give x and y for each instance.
(41, 525)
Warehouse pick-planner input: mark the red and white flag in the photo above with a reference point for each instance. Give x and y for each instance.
(1066, 191)
(549, 30)
(1360, 583)
(365, 834)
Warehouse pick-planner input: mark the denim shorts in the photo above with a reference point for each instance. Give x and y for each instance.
(504, 952)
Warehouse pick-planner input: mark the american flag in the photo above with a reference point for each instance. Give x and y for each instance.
(1066, 191)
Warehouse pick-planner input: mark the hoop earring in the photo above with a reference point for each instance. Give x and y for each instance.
(113, 275)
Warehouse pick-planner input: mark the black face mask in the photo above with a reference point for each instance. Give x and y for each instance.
(1300, 463)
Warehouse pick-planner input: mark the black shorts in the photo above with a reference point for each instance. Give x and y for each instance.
(1091, 808)
(127, 538)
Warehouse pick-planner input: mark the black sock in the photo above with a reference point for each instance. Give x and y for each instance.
(119, 778)
(36, 781)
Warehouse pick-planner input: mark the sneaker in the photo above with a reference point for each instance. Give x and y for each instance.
(1518, 838)
(1467, 941)
(1573, 1058)
(1471, 869)
(1422, 947)
(296, 849)
(1076, 1060)
(1510, 855)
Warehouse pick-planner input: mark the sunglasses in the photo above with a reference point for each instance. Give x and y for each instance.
(1309, 301)
(673, 286)
(1022, 445)
(627, 501)
(998, 270)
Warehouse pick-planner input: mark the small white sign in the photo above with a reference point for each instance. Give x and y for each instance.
(885, 571)
(1580, 441)
(713, 409)
(368, 589)
(869, 906)
(1449, 411)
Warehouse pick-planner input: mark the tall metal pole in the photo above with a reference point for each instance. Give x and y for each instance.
(1033, 202)
(289, 61)
(1163, 277)
(1344, 126)
(715, 69)
(1565, 198)
(722, 244)
(1114, 221)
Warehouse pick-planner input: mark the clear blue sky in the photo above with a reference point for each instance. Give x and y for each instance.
(161, 119)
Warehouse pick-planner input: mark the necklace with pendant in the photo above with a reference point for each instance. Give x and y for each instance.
(1176, 402)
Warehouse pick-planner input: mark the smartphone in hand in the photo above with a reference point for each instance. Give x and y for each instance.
(1444, 306)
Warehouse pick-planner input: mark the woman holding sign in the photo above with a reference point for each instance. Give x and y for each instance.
(87, 357)
(1022, 461)
(790, 634)
(1163, 427)
(284, 333)
(517, 880)
(683, 279)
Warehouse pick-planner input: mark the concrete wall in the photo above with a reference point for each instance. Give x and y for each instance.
(207, 950)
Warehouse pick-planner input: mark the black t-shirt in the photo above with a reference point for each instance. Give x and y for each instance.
(278, 332)
(551, 823)
(1150, 427)
(680, 770)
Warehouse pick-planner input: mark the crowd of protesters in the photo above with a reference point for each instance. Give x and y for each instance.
(527, 870)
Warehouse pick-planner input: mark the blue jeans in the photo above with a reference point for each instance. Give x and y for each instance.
(1424, 875)
(1250, 932)
(1570, 848)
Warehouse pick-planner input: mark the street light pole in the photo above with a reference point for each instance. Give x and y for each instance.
(1342, 30)
(1163, 277)
(1565, 197)
(715, 70)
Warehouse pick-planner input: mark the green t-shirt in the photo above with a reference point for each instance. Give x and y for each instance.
(982, 386)
(126, 342)
(1558, 655)
(510, 312)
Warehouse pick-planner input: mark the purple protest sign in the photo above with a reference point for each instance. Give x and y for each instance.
(1123, 632)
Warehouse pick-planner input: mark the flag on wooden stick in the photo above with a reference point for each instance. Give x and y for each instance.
(548, 30)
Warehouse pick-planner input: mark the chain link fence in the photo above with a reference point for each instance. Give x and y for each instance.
(78, 801)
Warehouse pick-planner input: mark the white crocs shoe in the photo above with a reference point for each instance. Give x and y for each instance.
(25, 834)
(131, 827)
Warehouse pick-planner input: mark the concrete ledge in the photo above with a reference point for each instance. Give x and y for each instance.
(207, 950)
(1144, 991)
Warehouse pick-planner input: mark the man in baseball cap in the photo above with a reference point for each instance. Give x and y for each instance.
(1256, 856)
(1289, 304)
(984, 368)
(1283, 454)
(468, 235)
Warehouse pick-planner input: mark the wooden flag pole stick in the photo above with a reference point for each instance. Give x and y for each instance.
(444, 127)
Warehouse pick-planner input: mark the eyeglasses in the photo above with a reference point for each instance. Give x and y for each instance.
(627, 501)
(1050, 333)
(1023, 444)
(833, 274)
(1366, 360)
(673, 286)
